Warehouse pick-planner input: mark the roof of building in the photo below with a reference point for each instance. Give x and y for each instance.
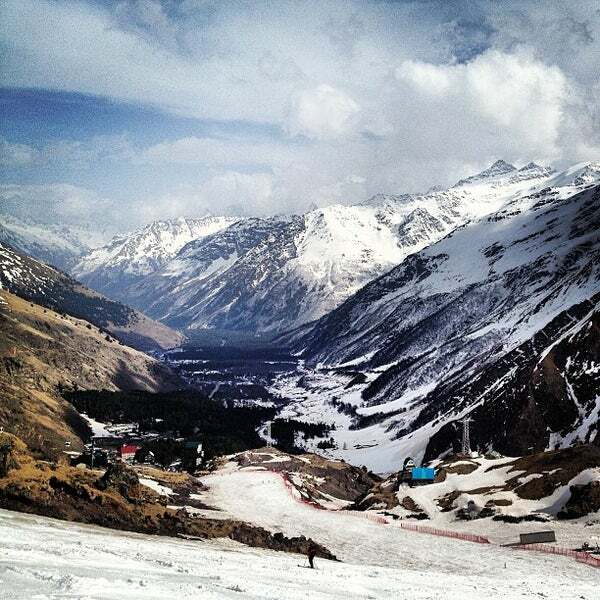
(128, 449)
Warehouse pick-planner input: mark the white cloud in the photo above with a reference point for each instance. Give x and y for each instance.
(223, 193)
(88, 152)
(508, 96)
(214, 152)
(17, 155)
(359, 97)
(429, 79)
(56, 202)
(323, 112)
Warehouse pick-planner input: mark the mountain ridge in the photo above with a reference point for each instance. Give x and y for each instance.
(37, 282)
(317, 259)
(414, 338)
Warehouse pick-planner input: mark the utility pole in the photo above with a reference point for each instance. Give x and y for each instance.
(466, 441)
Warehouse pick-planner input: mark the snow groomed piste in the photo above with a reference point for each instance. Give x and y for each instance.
(583, 557)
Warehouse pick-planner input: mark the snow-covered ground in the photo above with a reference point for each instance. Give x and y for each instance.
(43, 558)
(98, 429)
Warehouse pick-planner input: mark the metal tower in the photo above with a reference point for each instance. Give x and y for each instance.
(466, 441)
(268, 432)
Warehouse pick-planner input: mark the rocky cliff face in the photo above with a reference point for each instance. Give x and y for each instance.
(542, 395)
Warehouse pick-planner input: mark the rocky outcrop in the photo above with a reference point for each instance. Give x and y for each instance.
(10, 448)
(316, 478)
(122, 479)
(535, 396)
(585, 499)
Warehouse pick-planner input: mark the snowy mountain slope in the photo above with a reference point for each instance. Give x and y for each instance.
(37, 282)
(56, 245)
(50, 558)
(270, 275)
(545, 237)
(127, 258)
(422, 332)
(205, 284)
(541, 395)
(544, 394)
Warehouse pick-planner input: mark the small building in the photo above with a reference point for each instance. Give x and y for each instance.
(127, 452)
(537, 537)
(414, 475)
(423, 475)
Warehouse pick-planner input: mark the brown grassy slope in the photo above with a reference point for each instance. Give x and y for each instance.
(42, 352)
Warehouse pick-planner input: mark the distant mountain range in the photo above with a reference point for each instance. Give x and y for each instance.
(270, 275)
(128, 259)
(57, 245)
(407, 312)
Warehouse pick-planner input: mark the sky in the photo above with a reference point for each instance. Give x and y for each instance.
(116, 113)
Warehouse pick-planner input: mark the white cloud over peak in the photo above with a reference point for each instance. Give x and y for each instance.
(507, 96)
(357, 97)
(323, 112)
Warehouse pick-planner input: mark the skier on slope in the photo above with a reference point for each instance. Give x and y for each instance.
(311, 552)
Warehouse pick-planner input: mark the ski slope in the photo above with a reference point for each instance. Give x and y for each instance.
(440, 567)
(43, 558)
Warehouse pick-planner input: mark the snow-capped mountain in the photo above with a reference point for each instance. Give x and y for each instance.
(49, 287)
(270, 275)
(461, 327)
(57, 245)
(127, 258)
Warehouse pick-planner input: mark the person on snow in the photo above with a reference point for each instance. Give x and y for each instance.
(311, 552)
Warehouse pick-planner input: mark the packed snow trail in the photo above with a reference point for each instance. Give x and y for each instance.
(260, 497)
(47, 559)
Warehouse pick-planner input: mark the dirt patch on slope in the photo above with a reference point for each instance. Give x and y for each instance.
(554, 468)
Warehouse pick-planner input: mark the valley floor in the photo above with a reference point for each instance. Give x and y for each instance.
(44, 558)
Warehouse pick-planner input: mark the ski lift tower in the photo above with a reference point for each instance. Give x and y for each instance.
(268, 432)
(466, 441)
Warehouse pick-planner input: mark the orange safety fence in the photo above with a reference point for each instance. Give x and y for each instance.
(457, 535)
(583, 557)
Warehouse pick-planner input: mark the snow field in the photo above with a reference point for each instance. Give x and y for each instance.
(43, 558)
(261, 498)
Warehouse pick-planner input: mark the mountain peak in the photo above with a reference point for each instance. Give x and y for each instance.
(530, 166)
(500, 167)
